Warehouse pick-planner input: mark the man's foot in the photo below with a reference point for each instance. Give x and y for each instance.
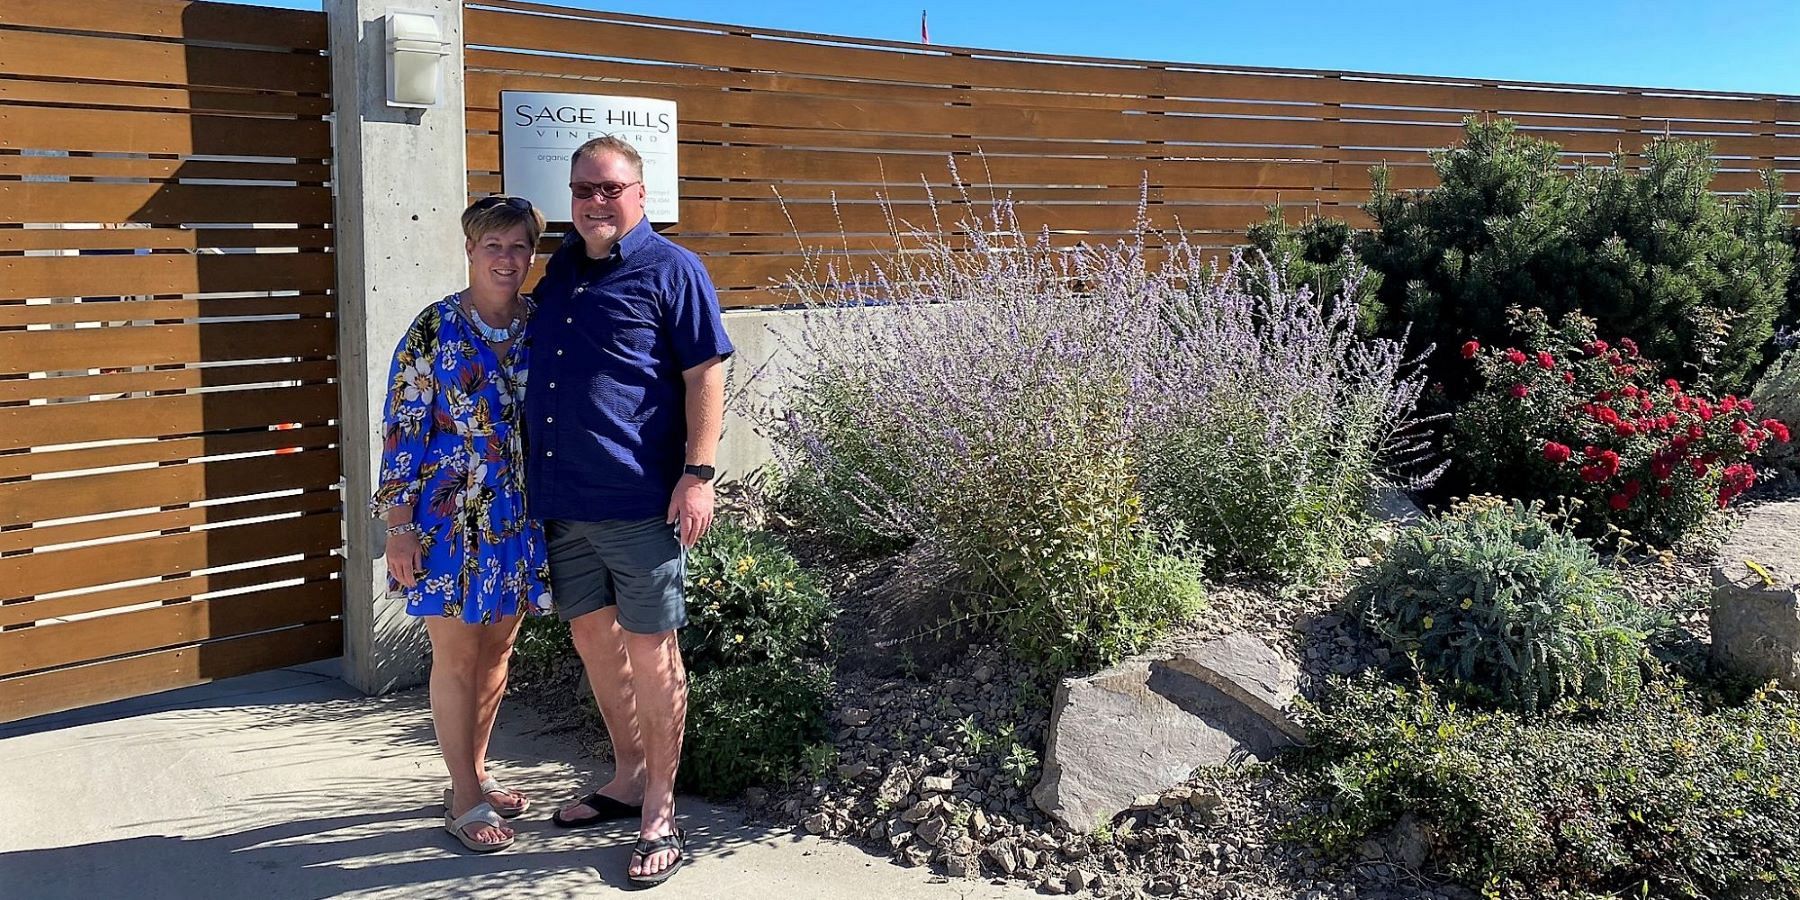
(656, 858)
(599, 806)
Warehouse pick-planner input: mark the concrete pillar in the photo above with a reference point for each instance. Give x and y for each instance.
(402, 183)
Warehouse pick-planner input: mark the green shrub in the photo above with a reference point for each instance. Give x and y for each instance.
(756, 648)
(751, 724)
(1667, 798)
(1647, 249)
(1777, 396)
(1504, 607)
(1316, 255)
(1564, 415)
(750, 602)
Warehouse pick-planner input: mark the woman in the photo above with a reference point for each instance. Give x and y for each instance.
(460, 547)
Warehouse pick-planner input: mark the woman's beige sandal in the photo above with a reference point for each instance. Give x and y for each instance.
(483, 813)
(492, 786)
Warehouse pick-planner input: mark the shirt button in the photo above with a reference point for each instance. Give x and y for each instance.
(570, 321)
(559, 353)
(549, 419)
(549, 452)
(553, 385)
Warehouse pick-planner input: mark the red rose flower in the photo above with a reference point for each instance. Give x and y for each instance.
(1629, 345)
(1740, 427)
(1665, 491)
(1557, 453)
(1515, 356)
(1603, 396)
(1596, 348)
(1469, 349)
(1568, 376)
(1620, 501)
(1545, 360)
(1695, 432)
(1625, 429)
(1518, 390)
(1591, 452)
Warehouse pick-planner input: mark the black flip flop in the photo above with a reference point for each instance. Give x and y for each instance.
(645, 848)
(605, 808)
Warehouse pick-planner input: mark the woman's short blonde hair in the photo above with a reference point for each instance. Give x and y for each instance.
(502, 213)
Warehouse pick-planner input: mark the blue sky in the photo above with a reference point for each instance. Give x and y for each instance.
(1738, 45)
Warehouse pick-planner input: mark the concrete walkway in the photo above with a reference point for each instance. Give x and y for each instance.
(288, 784)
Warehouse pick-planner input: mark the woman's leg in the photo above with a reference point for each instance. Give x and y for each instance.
(455, 656)
(494, 653)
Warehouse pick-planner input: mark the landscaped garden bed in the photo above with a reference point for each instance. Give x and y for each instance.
(1030, 501)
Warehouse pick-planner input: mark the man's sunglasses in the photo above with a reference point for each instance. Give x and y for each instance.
(519, 203)
(585, 190)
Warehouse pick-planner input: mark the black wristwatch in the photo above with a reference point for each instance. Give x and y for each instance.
(704, 473)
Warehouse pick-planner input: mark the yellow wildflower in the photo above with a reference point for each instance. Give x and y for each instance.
(1427, 623)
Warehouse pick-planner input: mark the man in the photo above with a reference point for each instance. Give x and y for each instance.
(625, 408)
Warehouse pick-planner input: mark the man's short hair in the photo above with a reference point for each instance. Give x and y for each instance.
(610, 144)
(502, 213)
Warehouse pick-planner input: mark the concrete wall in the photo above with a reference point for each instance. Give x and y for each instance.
(401, 186)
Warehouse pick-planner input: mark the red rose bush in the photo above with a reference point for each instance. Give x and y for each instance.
(1567, 415)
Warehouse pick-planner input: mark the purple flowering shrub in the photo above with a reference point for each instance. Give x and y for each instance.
(1077, 429)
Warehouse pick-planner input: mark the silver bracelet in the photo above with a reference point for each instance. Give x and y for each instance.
(403, 528)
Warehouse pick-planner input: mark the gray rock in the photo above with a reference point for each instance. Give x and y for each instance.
(1756, 619)
(1078, 879)
(931, 830)
(1001, 853)
(957, 866)
(817, 823)
(854, 717)
(1201, 706)
(1388, 505)
(936, 784)
(917, 812)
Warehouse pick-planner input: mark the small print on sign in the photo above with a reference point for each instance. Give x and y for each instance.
(540, 131)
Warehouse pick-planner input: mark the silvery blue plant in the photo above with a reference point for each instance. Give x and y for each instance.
(1077, 429)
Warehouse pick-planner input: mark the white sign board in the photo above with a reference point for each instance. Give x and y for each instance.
(540, 131)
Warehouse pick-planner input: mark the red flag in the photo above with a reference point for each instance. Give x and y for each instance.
(924, 35)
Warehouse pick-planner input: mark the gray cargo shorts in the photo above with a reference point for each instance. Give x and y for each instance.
(637, 565)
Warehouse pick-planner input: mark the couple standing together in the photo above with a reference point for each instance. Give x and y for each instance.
(580, 495)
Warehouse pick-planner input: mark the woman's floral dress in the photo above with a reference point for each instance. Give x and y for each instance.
(454, 452)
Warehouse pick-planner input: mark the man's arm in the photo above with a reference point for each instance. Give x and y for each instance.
(692, 503)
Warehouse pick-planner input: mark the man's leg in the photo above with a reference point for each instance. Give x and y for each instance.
(659, 682)
(601, 643)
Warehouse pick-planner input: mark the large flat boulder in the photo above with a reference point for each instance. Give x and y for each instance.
(1145, 724)
(1756, 596)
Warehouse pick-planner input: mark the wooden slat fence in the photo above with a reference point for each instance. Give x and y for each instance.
(1072, 140)
(169, 512)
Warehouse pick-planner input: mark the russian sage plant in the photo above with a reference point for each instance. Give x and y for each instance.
(1074, 427)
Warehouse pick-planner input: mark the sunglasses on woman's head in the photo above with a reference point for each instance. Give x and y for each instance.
(584, 190)
(519, 203)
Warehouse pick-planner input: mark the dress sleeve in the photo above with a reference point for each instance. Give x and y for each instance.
(407, 419)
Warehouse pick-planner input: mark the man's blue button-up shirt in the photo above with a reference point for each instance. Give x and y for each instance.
(606, 414)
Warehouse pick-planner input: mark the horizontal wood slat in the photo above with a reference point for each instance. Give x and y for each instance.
(30, 54)
(66, 166)
(29, 277)
(46, 646)
(163, 204)
(180, 414)
(148, 524)
(113, 385)
(171, 554)
(64, 93)
(135, 453)
(168, 485)
(163, 238)
(14, 314)
(36, 610)
(132, 131)
(152, 345)
(69, 688)
(194, 21)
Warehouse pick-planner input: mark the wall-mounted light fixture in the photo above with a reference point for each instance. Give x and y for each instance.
(415, 52)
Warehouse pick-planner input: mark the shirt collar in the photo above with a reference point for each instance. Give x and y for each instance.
(622, 248)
